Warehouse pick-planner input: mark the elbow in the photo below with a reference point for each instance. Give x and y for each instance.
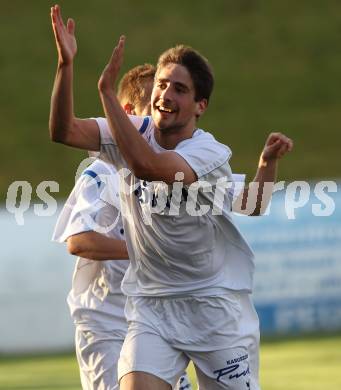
(74, 247)
(62, 131)
(140, 174)
(142, 170)
(56, 134)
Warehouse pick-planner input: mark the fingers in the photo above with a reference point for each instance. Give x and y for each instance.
(61, 31)
(276, 146)
(279, 137)
(290, 144)
(56, 17)
(55, 23)
(110, 72)
(286, 143)
(116, 58)
(283, 150)
(117, 55)
(122, 40)
(120, 50)
(59, 15)
(70, 26)
(53, 16)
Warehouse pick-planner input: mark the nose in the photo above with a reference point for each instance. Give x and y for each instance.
(166, 93)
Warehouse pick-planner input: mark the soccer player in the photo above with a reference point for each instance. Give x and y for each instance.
(190, 276)
(90, 222)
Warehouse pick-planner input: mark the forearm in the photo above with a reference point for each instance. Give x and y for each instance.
(135, 150)
(257, 195)
(267, 171)
(260, 189)
(61, 111)
(144, 162)
(95, 246)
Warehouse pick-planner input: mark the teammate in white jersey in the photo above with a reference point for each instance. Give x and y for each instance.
(92, 227)
(191, 270)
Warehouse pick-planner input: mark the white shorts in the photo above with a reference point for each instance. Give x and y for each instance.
(97, 354)
(220, 334)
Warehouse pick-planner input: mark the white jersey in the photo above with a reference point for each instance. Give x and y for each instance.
(96, 299)
(173, 251)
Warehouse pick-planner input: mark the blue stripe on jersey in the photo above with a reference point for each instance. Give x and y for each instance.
(94, 175)
(144, 125)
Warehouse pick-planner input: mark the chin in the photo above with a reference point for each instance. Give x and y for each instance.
(161, 124)
(164, 129)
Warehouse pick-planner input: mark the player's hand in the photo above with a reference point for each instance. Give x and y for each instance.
(110, 72)
(276, 146)
(64, 36)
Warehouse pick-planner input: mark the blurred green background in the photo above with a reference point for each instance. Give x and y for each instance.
(305, 364)
(277, 67)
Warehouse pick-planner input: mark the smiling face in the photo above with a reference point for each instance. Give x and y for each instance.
(173, 100)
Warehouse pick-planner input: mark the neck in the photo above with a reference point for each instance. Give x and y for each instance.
(168, 139)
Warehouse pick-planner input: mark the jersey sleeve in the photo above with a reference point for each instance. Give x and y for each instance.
(239, 184)
(225, 188)
(87, 206)
(82, 201)
(209, 159)
(109, 150)
(203, 153)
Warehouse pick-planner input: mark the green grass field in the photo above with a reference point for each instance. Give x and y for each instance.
(277, 67)
(300, 364)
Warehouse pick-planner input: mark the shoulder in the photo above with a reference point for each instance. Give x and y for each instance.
(97, 176)
(203, 141)
(142, 123)
(101, 167)
(203, 152)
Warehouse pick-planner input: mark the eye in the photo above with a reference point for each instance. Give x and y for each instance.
(161, 85)
(180, 89)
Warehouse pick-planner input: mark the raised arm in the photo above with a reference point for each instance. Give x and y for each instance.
(256, 197)
(64, 126)
(144, 162)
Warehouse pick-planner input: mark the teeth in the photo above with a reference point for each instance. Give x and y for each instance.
(165, 109)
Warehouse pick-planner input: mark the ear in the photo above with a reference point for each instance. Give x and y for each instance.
(129, 109)
(201, 106)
